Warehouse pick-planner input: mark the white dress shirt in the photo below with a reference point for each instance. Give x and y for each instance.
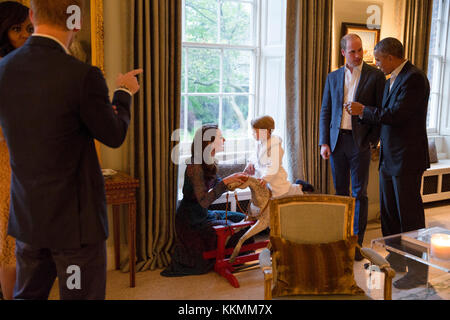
(396, 72)
(350, 87)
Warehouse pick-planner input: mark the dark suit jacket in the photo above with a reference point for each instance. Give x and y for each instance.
(52, 107)
(403, 119)
(369, 92)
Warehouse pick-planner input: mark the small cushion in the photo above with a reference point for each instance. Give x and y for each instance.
(432, 151)
(314, 269)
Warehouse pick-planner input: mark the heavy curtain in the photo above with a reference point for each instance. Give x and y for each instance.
(308, 60)
(417, 31)
(156, 115)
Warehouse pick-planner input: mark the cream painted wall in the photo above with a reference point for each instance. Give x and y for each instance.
(392, 23)
(356, 11)
(353, 11)
(117, 60)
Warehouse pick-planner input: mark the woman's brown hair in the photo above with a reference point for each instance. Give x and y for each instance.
(11, 13)
(205, 138)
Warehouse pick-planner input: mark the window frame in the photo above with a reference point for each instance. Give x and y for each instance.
(437, 106)
(231, 145)
(267, 48)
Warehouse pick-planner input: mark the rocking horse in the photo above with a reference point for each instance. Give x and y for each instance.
(258, 219)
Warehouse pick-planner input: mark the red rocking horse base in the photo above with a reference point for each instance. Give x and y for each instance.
(223, 265)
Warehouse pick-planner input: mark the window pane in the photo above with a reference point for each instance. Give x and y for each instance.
(202, 110)
(434, 26)
(434, 72)
(432, 108)
(434, 67)
(433, 40)
(204, 71)
(183, 118)
(236, 23)
(201, 21)
(236, 73)
(183, 73)
(235, 115)
(431, 70)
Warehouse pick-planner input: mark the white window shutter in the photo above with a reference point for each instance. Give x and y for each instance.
(445, 83)
(272, 88)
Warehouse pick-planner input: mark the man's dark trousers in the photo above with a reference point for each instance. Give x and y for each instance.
(402, 216)
(401, 203)
(350, 162)
(38, 268)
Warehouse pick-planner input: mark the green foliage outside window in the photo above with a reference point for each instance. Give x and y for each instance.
(223, 72)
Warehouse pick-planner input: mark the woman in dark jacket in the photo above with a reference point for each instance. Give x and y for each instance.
(194, 222)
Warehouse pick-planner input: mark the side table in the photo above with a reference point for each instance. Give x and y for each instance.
(121, 190)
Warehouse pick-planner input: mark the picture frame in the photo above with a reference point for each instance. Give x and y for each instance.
(88, 45)
(369, 36)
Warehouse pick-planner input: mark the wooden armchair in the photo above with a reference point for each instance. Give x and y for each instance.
(315, 219)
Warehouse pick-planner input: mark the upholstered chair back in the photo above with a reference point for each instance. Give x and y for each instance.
(312, 219)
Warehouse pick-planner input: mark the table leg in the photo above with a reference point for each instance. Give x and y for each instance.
(132, 242)
(116, 226)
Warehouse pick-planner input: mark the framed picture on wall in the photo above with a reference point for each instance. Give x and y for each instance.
(369, 37)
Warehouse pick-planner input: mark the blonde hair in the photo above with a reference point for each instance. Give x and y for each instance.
(53, 12)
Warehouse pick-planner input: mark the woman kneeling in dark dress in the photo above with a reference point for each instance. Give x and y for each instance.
(194, 222)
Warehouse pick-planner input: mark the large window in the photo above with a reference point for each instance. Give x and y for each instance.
(233, 71)
(438, 68)
(220, 47)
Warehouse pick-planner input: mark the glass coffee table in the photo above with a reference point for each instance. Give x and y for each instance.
(415, 245)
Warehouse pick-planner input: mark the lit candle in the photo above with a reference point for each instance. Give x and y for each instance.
(440, 246)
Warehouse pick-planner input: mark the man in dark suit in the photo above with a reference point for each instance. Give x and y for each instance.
(404, 149)
(344, 139)
(52, 107)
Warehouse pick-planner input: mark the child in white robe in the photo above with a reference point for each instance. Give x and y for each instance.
(268, 163)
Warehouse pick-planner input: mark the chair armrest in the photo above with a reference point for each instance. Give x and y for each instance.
(265, 263)
(379, 261)
(268, 278)
(374, 258)
(384, 266)
(268, 275)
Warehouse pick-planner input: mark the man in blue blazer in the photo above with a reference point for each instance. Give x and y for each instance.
(404, 150)
(52, 107)
(345, 140)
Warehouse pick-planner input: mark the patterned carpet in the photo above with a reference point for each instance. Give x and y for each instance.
(439, 290)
